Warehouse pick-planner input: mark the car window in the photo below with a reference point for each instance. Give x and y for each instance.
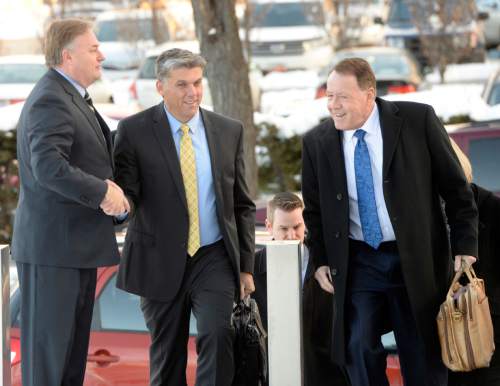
(287, 14)
(494, 98)
(118, 310)
(21, 72)
(485, 158)
(147, 70)
(131, 29)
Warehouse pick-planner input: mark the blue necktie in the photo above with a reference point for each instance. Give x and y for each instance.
(372, 233)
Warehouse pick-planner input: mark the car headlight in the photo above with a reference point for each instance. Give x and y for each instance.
(314, 43)
(395, 42)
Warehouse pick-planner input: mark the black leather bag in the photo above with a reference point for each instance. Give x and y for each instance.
(250, 353)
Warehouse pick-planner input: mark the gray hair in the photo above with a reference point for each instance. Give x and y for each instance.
(177, 58)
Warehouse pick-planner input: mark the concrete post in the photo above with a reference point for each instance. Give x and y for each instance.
(284, 310)
(5, 320)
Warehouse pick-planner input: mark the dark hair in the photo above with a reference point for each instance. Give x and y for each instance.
(177, 58)
(285, 201)
(60, 35)
(360, 69)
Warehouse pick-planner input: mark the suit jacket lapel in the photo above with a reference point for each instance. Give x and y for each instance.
(82, 106)
(163, 134)
(390, 124)
(331, 142)
(215, 149)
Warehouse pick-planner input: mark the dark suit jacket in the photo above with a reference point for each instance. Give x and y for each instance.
(488, 265)
(148, 169)
(419, 167)
(260, 281)
(63, 162)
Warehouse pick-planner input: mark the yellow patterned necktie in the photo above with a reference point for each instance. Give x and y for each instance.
(188, 170)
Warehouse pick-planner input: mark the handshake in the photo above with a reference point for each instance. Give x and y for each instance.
(115, 202)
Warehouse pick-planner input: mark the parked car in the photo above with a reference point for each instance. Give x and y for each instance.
(19, 74)
(125, 36)
(492, 23)
(481, 143)
(143, 88)
(119, 341)
(487, 106)
(287, 34)
(396, 70)
(401, 31)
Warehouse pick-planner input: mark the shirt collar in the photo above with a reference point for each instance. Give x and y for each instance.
(79, 88)
(369, 126)
(175, 124)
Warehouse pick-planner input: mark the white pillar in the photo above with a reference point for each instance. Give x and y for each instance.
(5, 320)
(284, 313)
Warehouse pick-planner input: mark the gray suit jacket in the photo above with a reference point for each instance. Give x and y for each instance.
(148, 169)
(64, 158)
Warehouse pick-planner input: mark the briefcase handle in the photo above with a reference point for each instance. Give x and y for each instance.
(471, 275)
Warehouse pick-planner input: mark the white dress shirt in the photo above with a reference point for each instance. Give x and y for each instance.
(374, 142)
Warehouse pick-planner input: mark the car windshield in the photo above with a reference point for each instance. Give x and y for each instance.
(147, 70)
(383, 65)
(287, 14)
(131, 29)
(399, 15)
(494, 98)
(21, 72)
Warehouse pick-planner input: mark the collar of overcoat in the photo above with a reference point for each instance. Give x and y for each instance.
(390, 124)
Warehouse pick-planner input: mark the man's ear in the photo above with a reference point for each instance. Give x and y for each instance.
(269, 226)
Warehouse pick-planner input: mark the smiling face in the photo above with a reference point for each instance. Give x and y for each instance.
(182, 91)
(348, 104)
(81, 60)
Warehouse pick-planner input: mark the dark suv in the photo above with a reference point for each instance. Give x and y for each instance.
(481, 143)
(401, 30)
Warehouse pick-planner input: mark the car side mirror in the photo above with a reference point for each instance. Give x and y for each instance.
(483, 15)
(378, 20)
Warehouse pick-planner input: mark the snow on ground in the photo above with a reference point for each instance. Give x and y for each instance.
(464, 73)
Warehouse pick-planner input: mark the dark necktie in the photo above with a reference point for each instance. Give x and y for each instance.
(88, 99)
(370, 225)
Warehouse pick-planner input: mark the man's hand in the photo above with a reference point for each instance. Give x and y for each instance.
(324, 278)
(114, 202)
(465, 260)
(246, 284)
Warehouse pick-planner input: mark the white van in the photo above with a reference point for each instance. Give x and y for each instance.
(288, 34)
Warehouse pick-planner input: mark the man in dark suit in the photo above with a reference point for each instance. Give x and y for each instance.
(63, 226)
(190, 241)
(285, 222)
(373, 181)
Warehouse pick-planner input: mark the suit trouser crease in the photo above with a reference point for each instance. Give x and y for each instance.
(377, 302)
(208, 289)
(56, 315)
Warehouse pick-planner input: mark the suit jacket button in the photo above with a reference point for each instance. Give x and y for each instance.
(339, 196)
(337, 235)
(333, 271)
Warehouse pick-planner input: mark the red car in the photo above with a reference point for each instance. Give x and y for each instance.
(119, 341)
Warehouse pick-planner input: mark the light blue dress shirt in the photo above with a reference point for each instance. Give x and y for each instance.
(79, 88)
(207, 210)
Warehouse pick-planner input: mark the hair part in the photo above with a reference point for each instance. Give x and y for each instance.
(360, 69)
(176, 58)
(60, 35)
(464, 161)
(286, 201)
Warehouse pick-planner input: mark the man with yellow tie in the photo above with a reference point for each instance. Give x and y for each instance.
(190, 240)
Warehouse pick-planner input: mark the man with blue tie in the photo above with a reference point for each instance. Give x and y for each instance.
(386, 206)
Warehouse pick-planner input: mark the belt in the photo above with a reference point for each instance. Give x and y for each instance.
(386, 246)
